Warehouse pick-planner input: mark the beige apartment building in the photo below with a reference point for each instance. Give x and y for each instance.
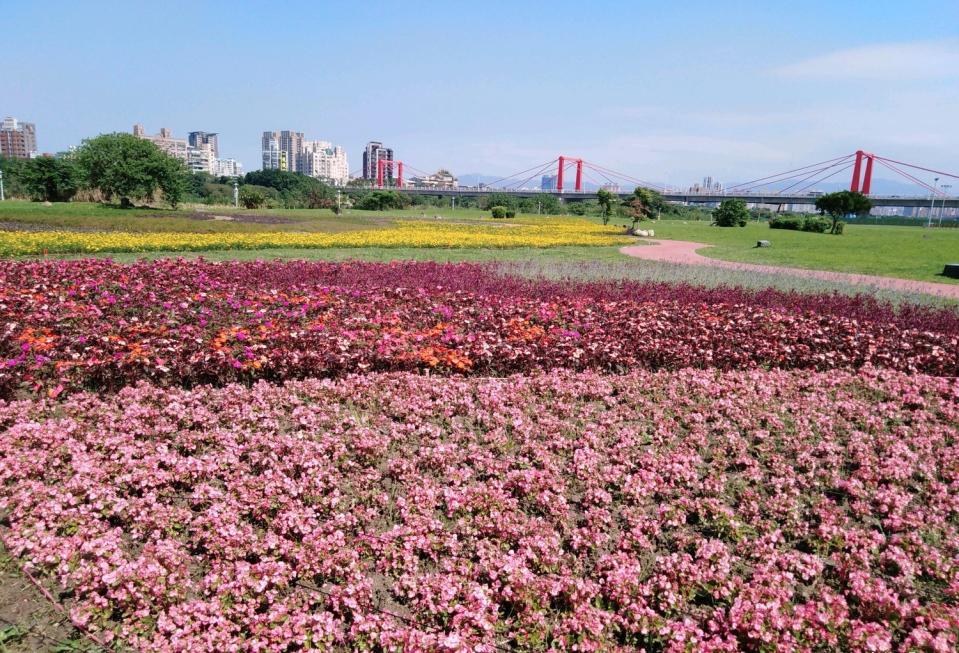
(18, 140)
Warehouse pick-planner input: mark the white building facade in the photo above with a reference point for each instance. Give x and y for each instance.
(323, 160)
(227, 168)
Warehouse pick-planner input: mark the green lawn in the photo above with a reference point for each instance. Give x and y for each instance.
(905, 252)
(200, 218)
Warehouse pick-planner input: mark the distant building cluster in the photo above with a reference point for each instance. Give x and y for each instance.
(440, 180)
(708, 186)
(200, 151)
(18, 140)
(291, 151)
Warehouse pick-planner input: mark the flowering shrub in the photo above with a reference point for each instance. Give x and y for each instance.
(99, 325)
(551, 233)
(692, 510)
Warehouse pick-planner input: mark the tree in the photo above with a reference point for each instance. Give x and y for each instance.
(381, 200)
(501, 199)
(606, 200)
(643, 205)
(49, 179)
(731, 213)
(13, 177)
(128, 168)
(295, 190)
(656, 203)
(252, 197)
(839, 205)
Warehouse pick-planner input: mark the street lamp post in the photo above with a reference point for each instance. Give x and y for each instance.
(1, 186)
(932, 204)
(236, 194)
(942, 207)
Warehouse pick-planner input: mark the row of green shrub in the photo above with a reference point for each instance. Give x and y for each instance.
(813, 223)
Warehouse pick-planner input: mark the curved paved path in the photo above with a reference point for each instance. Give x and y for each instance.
(682, 251)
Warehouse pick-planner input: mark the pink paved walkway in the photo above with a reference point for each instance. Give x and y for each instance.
(681, 251)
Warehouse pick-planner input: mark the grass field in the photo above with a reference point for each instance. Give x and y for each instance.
(904, 252)
(201, 219)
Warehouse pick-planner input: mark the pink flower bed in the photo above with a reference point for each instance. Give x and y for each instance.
(93, 324)
(673, 510)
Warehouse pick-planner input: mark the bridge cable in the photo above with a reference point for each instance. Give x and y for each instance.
(772, 178)
(807, 178)
(521, 172)
(799, 177)
(620, 175)
(934, 191)
(539, 172)
(832, 174)
(614, 173)
(938, 172)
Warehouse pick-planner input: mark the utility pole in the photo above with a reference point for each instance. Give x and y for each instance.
(452, 202)
(1, 186)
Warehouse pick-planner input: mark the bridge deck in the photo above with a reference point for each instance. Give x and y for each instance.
(770, 199)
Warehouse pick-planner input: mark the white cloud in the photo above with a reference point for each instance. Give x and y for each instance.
(883, 61)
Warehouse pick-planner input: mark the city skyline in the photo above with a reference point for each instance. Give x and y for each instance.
(677, 99)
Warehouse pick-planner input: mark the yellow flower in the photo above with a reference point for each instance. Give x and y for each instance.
(553, 232)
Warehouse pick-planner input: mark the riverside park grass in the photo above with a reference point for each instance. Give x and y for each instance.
(904, 252)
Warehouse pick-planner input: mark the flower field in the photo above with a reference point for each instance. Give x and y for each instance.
(432, 457)
(555, 232)
(689, 510)
(94, 324)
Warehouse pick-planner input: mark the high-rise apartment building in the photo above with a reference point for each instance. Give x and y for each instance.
(270, 147)
(374, 152)
(548, 182)
(201, 158)
(18, 140)
(200, 151)
(166, 141)
(289, 143)
(199, 139)
(323, 160)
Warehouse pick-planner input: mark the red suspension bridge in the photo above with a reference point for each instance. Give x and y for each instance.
(795, 186)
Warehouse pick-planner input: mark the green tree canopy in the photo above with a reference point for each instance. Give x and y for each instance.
(644, 204)
(13, 177)
(731, 213)
(252, 197)
(839, 205)
(128, 168)
(50, 179)
(382, 200)
(296, 190)
(606, 200)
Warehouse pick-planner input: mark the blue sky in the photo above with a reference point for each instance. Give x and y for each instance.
(662, 91)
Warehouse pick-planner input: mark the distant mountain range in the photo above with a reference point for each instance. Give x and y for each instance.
(879, 186)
